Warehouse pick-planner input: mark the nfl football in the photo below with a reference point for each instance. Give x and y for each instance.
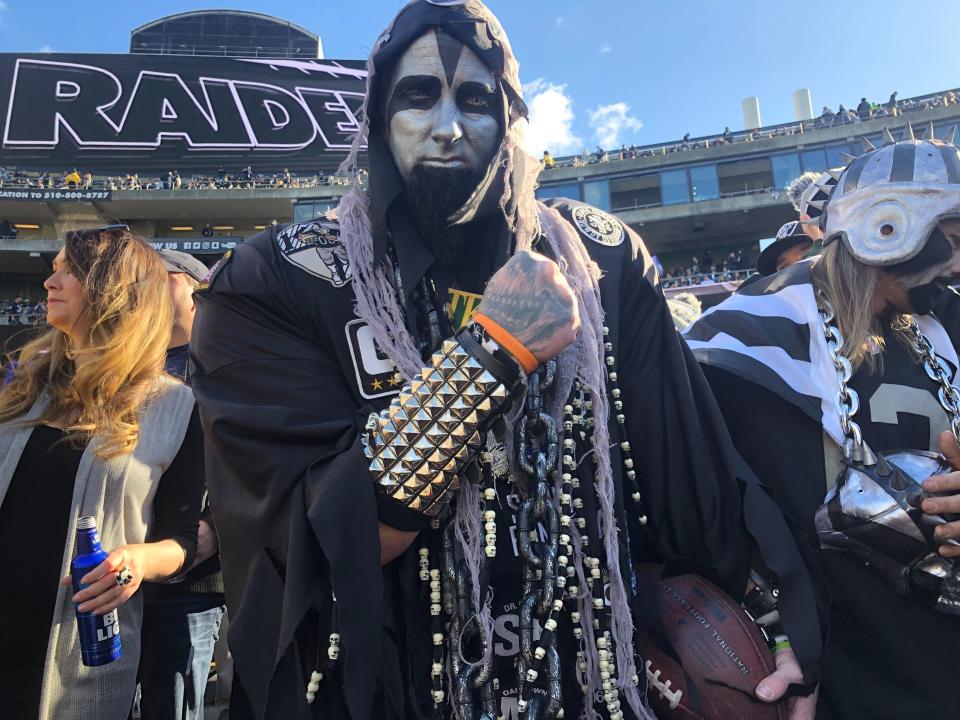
(723, 655)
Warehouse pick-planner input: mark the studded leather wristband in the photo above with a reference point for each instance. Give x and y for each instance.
(418, 446)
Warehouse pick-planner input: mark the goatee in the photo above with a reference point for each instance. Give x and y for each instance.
(433, 194)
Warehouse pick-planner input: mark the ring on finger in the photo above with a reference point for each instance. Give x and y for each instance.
(124, 576)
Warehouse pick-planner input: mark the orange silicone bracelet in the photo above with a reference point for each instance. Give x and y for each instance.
(508, 342)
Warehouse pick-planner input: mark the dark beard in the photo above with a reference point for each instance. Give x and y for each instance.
(434, 194)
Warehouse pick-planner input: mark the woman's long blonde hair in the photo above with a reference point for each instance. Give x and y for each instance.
(850, 285)
(128, 315)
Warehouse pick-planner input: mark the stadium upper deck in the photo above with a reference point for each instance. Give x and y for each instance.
(254, 140)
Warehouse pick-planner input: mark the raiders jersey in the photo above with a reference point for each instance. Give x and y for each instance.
(871, 628)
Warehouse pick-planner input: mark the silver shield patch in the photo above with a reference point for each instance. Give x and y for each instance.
(316, 248)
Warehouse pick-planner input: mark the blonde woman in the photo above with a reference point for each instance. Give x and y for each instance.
(91, 425)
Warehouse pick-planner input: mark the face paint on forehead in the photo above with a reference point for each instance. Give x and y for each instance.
(451, 50)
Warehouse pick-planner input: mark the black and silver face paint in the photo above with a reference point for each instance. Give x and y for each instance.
(939, 258)
(443, 109)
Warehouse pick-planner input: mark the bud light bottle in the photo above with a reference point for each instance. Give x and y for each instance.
(99, 634)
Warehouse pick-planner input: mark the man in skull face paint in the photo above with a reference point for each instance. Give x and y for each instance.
(377, 428)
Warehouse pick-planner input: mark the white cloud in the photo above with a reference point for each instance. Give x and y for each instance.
(605, 48)
(610, 121)
(551, 119)
(558, 21)
(45, 49)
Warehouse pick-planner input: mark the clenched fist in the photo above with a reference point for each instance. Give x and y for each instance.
(530, 298)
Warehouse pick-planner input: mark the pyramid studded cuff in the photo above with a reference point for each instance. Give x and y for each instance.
(419, 444)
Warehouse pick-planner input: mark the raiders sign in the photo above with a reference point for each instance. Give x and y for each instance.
(598, 225)
(316, 248)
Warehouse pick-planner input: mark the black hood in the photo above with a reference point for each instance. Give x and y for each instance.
(475, 26)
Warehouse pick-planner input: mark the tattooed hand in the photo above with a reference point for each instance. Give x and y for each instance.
(530, 299)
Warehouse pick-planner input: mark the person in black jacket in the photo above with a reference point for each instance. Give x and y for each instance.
(360, 379)
(820, 371)
(181, 620)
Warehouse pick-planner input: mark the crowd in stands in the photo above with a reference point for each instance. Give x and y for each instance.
(22, 311)
(865, 110)
(72, 179)
(705, 270)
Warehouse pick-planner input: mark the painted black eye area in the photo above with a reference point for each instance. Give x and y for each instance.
(478, 98)
(416, 92)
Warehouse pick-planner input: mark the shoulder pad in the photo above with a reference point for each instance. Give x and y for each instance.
(592, 223)
(315, 248)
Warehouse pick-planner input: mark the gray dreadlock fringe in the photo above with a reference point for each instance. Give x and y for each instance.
(377, 305)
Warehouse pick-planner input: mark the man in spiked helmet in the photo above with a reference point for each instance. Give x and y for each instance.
(836, 380)
(384, 439)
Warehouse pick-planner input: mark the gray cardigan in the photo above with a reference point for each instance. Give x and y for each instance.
(119, 493)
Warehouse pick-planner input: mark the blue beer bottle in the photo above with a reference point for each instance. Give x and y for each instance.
(99, 634)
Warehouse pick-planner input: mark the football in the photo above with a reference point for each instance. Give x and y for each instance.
(723, 655)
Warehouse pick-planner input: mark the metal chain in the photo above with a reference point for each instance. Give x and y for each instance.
(848, 402)
(465, 631)
(939, 372)
(537, 454)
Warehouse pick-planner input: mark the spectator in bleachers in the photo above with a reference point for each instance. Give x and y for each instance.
(548, 161)
(72, 179)
(207, 230)
(14, 311)
(827, 116)
(790, 246)
(39, 313)
(863, 109)
(7, 230)
(87, 180)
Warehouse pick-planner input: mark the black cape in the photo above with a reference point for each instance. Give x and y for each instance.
(285, 374)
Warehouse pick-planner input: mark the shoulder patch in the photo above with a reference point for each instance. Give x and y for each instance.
(376, 374)
(213, 271)
(316, 248)
(598, 225)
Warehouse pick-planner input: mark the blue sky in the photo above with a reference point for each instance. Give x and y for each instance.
(628, 71)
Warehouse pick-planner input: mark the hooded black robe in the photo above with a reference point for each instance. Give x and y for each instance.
(286, 374)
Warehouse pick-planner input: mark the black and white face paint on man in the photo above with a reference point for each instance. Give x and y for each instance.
(443, 108)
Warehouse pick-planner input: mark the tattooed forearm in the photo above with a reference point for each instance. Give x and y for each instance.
(530, 299)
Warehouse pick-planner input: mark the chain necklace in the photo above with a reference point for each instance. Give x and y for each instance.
(537, 455)
(847, 402)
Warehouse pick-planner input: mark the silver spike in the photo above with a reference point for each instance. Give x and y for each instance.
(952, 136)
(887, 136)
(867, 145)
(908, 133)
(847, 157)
(931, 134)
(835, 173)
